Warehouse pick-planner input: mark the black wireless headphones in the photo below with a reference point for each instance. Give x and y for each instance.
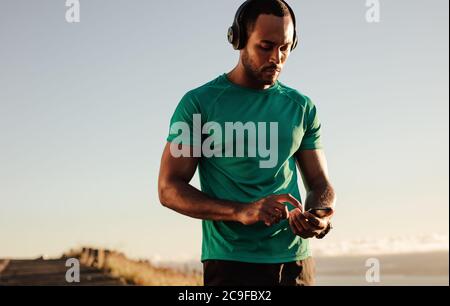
(237, 35)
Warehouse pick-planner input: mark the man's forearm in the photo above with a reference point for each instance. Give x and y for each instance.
(320, 196)
(187, 200)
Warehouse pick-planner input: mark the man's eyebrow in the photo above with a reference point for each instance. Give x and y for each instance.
(274, 43)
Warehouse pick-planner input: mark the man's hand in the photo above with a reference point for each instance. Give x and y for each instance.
(306, 225)
(269, 210)
(320, 193)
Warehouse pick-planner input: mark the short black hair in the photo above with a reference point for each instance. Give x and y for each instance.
(260, 7)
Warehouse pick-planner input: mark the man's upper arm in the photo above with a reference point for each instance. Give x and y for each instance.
(181, 168)
(313, 167)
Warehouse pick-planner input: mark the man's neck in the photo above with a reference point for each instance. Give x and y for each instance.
(239, 76)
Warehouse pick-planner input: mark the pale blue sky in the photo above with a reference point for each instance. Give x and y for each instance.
(85, 110)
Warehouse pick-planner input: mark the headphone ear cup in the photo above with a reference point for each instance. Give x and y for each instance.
(230, 35)
(233, 36)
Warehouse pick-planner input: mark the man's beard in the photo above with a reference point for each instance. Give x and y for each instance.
(253, 72)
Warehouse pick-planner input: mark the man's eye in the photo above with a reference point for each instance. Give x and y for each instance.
(266, 48)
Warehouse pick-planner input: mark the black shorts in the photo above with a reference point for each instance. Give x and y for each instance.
(234, 273)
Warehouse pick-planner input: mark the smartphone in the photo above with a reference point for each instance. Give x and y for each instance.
(321, 212)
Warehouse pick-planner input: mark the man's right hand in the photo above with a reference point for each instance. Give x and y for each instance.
(269, 210)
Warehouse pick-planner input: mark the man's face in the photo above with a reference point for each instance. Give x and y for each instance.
(268, 48)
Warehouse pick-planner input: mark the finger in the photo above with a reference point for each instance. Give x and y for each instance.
(301, 231)
(272, 211)
(286, 212)
(304, 222)
(277, 209)
(290, 199)
(298, 226)
(274, 204)
(294, 227)
(282, 213)
(267, 219)
(313, 220)
(270, 219)
(318, 223)
(304, 232)
(280, 209)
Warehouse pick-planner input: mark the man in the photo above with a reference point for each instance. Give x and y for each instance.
(255, 229)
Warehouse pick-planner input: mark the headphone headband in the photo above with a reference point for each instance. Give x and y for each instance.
(237, 35)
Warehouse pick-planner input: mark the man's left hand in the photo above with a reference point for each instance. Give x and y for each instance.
(306, 225)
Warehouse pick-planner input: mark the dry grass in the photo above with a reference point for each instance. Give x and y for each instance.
(3, 264)
(135, 272)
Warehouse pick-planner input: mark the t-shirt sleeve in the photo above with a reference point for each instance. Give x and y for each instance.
(312, 125)
(185, 121)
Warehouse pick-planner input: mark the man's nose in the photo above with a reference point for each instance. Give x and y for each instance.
(276, 56)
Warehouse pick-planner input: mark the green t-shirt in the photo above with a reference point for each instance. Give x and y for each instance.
(241, 178)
